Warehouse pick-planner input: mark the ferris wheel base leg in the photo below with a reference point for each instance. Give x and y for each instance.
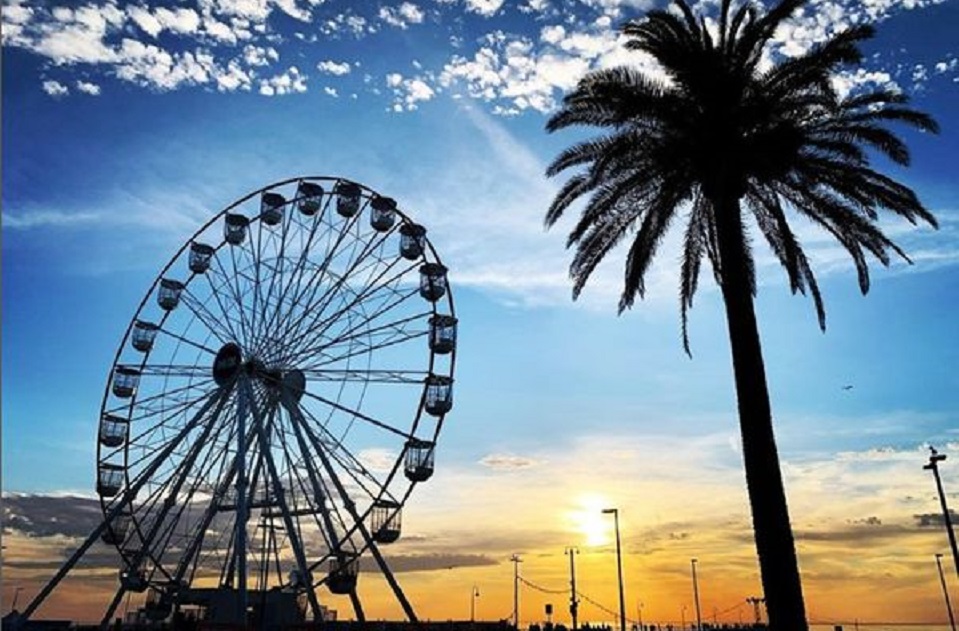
(105, 622)
(357, 606)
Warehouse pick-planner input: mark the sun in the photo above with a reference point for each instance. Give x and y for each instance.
(588, 520)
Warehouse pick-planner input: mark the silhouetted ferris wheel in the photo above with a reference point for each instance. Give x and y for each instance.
(274, 401)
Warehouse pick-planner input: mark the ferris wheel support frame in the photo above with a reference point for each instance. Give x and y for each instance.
(292, 531)
(321, 497)
(350, 506)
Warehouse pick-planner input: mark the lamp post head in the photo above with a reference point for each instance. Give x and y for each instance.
(610, 511)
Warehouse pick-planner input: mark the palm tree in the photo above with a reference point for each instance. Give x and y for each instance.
(729, 134)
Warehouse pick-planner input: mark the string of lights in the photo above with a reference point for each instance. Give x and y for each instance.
(542, 589)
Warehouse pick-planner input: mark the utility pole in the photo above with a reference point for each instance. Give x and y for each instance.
(754, 601)
(619, 568)
(934, 459)
(474, 592)
(945, 592)
(516, 561)
(573, 602)
(699, 618)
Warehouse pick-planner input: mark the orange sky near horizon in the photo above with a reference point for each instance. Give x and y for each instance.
(863, 552)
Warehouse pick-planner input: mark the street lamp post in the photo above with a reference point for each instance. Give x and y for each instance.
(683, 614)
(573, 600)
(474, 593)
(619, 568)
(945, 592)
(934, 459)
(699, 619)
(516, 561)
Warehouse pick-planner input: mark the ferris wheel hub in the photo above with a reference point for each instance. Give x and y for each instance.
(228, 364)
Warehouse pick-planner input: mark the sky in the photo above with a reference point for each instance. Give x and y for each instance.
(126, 126)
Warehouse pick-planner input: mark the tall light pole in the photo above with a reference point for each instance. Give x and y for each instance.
(474, 593)
(945, 592)
(683, 614)
(573, 601)
(934, 459)
(699, 619)
(516, 561)
(619, 568)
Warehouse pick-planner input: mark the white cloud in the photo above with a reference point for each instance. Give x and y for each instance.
(55, 88)
(88, 88)
(47, 218)
(259, 56)
(331, 92)
(508, 462)
(552, 34)
(151, 66)
(289, 82)
(408, 93)
(402, 16)
(333, 67)
(377, 460)
(485, 8)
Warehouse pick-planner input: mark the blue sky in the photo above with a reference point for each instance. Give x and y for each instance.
(126, 126)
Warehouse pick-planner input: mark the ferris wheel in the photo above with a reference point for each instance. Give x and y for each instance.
(274, 401)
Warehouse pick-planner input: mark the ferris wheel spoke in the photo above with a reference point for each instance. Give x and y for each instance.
(362, 331)
(166, 527)
(232, 295)
(315, 330)
(172, 415)
(358, 349)
(338, 451)
(277, 320)
(221, 288)
(210, 321)
(177, 400)
(153, 514)
(186, 340)
(168, 370)
(339, 281)
(358, 415)
(200, 530)
(180, 396)
(241, 295)
(368, 376)
(152, 449)
(303, 507)
(205, 444)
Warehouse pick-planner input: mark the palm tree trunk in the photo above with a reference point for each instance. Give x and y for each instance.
(767, 498)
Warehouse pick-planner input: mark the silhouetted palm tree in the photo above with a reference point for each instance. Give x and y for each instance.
(732, 134)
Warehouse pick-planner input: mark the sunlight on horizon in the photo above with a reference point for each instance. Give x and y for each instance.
(588, 519)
